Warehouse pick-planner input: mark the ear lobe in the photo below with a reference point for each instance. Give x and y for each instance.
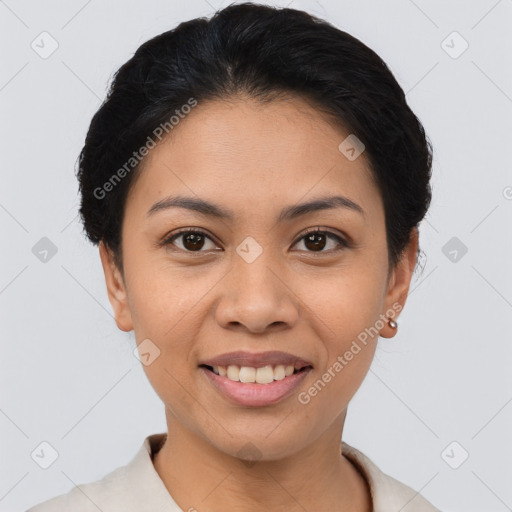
(400, 280)
(116, 289)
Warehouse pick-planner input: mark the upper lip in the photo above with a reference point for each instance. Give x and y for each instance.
(257, 360)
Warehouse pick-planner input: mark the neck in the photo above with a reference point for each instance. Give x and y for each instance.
(201, 477)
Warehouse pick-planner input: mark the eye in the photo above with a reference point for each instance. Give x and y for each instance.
(315, 240)
(192, 240)
(196, 240)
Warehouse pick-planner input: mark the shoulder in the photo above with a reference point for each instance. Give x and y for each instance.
(89, 497)
(388, 494)
(133, 487)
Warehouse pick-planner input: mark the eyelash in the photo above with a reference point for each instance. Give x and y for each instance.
(170, 239)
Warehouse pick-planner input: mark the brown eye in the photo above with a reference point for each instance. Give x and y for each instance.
(191, 241)
(316, 240)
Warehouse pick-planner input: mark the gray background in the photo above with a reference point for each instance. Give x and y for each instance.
(68, 375)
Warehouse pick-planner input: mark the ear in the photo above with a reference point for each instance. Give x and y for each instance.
(116, 289)
(399, 282)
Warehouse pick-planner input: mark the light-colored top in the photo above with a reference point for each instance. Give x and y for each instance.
(137, 487)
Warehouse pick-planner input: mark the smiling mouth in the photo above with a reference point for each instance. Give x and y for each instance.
(262, 375)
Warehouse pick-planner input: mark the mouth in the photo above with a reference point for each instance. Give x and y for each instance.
(256, 387)
(256, 379)
(256, 367)
(257, 375)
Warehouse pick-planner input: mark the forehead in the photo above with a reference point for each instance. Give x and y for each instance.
(252, 155)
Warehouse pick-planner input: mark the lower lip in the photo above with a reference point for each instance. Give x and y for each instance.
(256, 395)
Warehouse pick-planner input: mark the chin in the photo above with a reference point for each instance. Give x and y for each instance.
(251, 445)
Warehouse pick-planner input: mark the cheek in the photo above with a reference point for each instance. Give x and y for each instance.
(349, 344)
(346, 304)
(329, 394)
(164, 300)
(171, 382)
(166, 306)
(164, 314)
(346, 314)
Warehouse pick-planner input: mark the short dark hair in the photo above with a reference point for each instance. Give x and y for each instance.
(263, 52)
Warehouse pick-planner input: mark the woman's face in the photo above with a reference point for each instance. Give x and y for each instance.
(256, 281)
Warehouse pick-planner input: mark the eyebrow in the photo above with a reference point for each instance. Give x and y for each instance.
(288, 213)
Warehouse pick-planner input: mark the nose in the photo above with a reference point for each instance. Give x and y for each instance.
(257, 297)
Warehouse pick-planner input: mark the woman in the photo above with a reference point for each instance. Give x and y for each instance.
(255, 183)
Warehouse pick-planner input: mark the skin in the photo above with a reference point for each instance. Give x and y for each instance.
(256, 159)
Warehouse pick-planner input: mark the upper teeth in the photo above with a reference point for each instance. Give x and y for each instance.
(263, 375)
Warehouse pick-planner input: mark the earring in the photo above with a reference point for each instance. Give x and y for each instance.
(392, 324)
